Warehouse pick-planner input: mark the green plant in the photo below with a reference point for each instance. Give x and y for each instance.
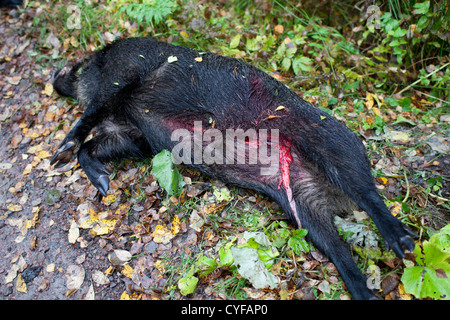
(147, 12)
(430, 278)
(167, 174)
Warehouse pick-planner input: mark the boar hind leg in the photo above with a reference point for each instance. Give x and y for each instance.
(113, 143)
(326, 239)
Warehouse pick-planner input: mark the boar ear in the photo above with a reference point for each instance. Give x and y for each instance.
(60, 73)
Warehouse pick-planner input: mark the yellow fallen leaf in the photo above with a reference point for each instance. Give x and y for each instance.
(14, 207)
(198, 59)
(127, 271)
(383, 180)
(395, 208)
(369, 100)
(109, 199)
(176, 225)
(27, 169)
(162, 234)
(403, 294)
(270, 117)
(398, 136)
(159, 266)
(125, 296)
(133, 296)
(109, 271)
(48, 89)
(102, 227)
(98, 225)
(21, 286)
(280, 108)
(44, 154)
(32, 223)
(184, 34)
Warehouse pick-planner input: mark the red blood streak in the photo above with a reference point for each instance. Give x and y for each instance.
(285, 161)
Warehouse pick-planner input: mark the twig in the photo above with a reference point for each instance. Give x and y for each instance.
(428, 75)
(407, 186)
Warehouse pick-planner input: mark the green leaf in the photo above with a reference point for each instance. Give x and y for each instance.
(222, 194)
(225, 255)
(301, 64)
(235, 41)
(432, 278)
(187, 285)
(167, 174)
(297, 242)
(421, 8)
(205, 265)
(425, 282)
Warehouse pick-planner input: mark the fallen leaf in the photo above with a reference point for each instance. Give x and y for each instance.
(172, 59)
(75, 277)
(184, 34)
(74, 232)
(175, 225)
(14, 207)
(196, 221)
(162, 234)
(100, 278)
(394, 135)
(278, 29)
(21, 286)
(90, 295)
(369, 101)
(252, 268)
(119, 257)
(48, 89)
(187, 285)
(127, 271)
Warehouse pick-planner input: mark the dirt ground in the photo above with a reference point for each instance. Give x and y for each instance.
(39, 255)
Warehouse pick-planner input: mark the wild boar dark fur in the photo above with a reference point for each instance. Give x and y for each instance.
(136, 98)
